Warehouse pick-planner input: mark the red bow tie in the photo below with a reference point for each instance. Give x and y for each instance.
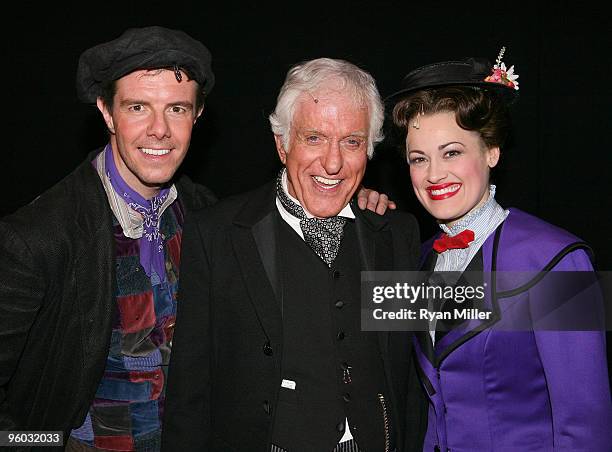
(461, 240)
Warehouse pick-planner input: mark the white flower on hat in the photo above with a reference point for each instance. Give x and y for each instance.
(510, 75)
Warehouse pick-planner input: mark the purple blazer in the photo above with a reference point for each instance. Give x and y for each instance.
(491, 389)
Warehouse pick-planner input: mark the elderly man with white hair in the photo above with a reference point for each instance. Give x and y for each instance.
(269, 354)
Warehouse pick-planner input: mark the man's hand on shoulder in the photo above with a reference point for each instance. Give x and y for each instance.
(374, 201)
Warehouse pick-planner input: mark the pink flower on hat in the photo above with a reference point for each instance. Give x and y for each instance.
(499, 73)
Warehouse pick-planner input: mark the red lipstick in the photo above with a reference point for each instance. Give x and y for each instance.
(448, 190)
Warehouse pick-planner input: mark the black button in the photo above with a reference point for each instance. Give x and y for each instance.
(340, 426)
(267, 407)
(339, 304)
(346, 397)
(336, 274)
(345, 366)
(340, 335)
(436, 448)
(267, 349)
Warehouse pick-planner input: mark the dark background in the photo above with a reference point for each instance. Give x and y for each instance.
(556, 166)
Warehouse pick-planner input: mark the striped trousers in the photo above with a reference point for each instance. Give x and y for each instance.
(346, 446)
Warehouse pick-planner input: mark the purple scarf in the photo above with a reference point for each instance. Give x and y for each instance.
(151, 245)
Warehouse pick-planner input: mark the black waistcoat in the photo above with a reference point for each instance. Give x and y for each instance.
(337, 369)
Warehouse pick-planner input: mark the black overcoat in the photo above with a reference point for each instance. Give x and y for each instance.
(57, 280)
(225, 370)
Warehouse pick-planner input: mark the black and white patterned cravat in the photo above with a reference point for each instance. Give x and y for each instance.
(323, 235)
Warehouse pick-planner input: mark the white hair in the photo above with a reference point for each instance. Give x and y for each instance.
(308, 76)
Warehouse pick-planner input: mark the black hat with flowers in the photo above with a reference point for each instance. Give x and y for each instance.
(476, 72)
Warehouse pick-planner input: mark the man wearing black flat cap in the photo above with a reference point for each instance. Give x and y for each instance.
(89, 270)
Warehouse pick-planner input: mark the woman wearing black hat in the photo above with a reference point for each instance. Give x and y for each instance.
(491, 386)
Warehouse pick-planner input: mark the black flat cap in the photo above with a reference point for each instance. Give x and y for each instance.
(142, 48)
(468, 72)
